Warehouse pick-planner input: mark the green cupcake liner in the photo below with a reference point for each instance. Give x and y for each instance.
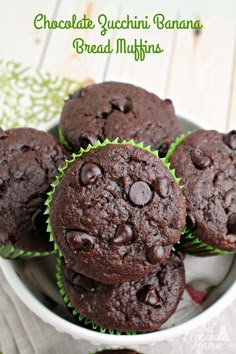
(82, 320)
(193, 245)
(63, 140)
(10, 252)
(74, 156)
(189, 242)
(174, 145)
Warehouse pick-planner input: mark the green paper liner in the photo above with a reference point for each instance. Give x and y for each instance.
(10, 252)
(63, 140)
(189, 242)
(193, 245)
(82, 320)
(74, 156)
(174, 145)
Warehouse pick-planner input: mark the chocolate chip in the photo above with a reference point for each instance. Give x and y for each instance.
(155, 254)
(39, 220)
(190, 221)
(230, 197)
(77, 94)
(4, 236)
(231, 223)
(3, 134)
(126, 181)
(199, 160)
(82, 281)
(86, 139)
(124, 234)
(90, 172)
(168, 101)
(149, 296)
(79, 240)
(169, 105)
(162, 187)
(60, 163)
(162, 149)
(140, 193)
(230, 139)
(3, 188)
(122, 103)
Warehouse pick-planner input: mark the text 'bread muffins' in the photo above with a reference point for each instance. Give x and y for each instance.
(29, 161)
(116, 212)
(112, 109)
(140, 306)
(206, 163)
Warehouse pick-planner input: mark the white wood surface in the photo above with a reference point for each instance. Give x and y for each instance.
(197, 72)
(152, 73)
(201, 74)
(19, 40)
(232, 105)
(61, 57)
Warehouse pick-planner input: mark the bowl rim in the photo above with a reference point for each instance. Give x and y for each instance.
(77, 332)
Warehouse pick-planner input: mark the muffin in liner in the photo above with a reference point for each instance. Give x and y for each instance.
(127, 308)
(111, 109)
(68, 163)
(81, 320)
(189, 242)
(29, 163)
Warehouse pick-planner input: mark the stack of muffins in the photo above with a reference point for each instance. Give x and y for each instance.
(116, 212)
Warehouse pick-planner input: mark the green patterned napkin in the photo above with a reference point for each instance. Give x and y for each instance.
(30, 97)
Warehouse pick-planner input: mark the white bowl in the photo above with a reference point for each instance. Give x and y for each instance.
(35, 283)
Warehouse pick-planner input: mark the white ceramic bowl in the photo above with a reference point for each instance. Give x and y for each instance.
(34, 282)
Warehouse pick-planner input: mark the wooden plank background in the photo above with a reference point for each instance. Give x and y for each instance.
(197, 70)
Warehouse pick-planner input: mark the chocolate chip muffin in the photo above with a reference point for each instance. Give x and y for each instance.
(206, 162)
(29, 160)
(113, 109)
(140, 306)
(116, 213)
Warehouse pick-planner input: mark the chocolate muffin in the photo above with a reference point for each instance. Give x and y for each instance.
(206, 162)
(117, 351)
(113, 109)
(116, 213)
(140, 306)
(29, 160)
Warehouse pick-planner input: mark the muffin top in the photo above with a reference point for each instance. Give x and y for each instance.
(28, 165)
(141, 306)
(206, 162)
(113, 109)
(116, 213)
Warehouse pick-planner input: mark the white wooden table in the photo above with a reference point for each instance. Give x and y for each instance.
(198, 72)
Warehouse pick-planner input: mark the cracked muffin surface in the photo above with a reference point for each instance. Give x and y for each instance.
(116, 213)
(141, 306)
(206, 163)
(112, 109)
(29, 160)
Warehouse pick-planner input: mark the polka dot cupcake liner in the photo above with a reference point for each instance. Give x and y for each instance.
(75, 156)
(80, 319)
(10, 252)
(189, 242)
